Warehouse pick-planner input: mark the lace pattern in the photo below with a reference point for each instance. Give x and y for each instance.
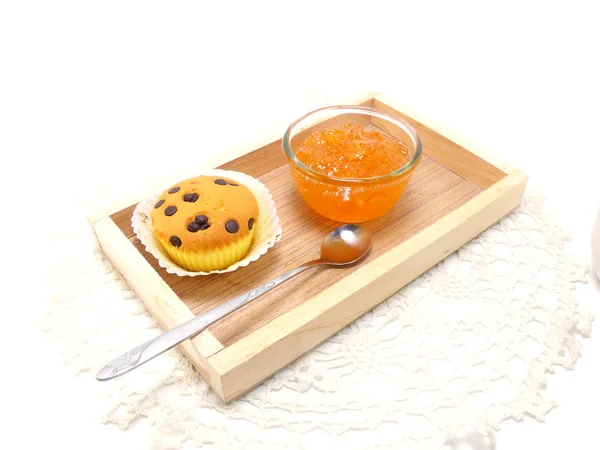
(468, 344)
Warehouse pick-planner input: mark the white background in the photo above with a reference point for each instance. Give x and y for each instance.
(89, 88)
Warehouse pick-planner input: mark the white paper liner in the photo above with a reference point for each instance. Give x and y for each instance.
(267, 233)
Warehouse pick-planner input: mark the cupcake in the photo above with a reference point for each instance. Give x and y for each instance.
(206, 223)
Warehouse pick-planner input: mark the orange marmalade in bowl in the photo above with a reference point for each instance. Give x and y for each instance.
(352, 172)
(352, 152)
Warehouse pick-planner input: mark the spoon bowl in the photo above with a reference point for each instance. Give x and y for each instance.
(345, 245)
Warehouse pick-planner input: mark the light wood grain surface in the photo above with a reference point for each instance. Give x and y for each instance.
(433, 191)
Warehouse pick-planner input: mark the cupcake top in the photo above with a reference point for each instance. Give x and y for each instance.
(205, 212)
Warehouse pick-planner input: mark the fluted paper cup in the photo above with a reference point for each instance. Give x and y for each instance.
(267, 233)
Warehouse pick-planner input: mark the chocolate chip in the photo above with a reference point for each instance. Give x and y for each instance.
(201, 219)
(220, 182)
(233, 184)
(250, 224)
(170, 210)
(190, 197)
(193, 227)
(201, 222)
(232, 226)
(159, 203)
(173, 190)
(175, 241)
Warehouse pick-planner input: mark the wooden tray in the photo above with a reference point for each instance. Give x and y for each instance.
(454, 194)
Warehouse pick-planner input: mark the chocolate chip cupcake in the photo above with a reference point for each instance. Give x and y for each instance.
(206, 223)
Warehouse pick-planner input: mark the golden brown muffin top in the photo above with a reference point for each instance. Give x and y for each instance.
(205, 212)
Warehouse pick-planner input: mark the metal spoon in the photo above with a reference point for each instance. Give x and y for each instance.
(343, 246)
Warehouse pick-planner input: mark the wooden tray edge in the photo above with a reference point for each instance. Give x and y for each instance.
(446, 132)
(367, 99)
(252, 359)
(160, 300)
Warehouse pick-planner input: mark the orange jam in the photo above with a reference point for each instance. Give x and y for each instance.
(351, 152)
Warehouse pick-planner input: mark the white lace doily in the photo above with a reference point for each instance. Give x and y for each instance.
(468, 344)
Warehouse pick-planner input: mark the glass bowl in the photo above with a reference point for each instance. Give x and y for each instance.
(351, 200)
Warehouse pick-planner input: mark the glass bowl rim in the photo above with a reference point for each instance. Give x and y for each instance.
(352, 109)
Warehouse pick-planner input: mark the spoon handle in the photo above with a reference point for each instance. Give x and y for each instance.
(169, 339)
